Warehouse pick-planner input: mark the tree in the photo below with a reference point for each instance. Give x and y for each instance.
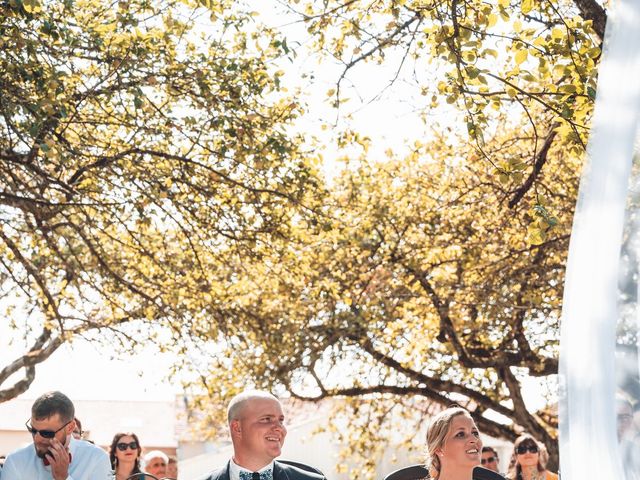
(420, 288)
(143, 148)
(438, 275)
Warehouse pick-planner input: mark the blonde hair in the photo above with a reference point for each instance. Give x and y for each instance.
(436, 435)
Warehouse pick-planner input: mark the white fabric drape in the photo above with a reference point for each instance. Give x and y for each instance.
(588, 441)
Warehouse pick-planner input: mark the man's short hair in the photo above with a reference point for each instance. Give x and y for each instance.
(489, 449)
(238, 402)
(51, 403)
(155, 454)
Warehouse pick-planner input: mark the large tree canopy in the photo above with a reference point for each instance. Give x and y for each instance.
(151, 179)
(438, 275)
(421, 286)
(143, 148)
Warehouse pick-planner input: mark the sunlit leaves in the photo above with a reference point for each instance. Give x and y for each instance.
(536, 59)
(416, 287)
(144, 150)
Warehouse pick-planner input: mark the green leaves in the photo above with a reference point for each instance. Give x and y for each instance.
(144, 160)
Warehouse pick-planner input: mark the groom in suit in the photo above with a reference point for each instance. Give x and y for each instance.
(256, 424)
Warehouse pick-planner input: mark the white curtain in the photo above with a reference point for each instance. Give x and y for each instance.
(591, 310)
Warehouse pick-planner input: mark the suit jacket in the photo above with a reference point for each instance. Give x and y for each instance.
(281, 471)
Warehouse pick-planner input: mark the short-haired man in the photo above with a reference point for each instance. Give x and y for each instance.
(489, 458)
(55, 454)
(155, 462)
(256, 425)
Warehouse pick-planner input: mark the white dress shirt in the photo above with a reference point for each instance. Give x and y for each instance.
(88, 462)
(234, 469)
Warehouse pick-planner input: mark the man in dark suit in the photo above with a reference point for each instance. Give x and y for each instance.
(256, 424)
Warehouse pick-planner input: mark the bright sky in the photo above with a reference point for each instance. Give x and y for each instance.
(85, 371)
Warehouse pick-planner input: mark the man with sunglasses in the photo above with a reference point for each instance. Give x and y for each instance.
(55, 454)
(489, 458)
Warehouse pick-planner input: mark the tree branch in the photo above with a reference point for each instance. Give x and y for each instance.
(592, 10)
(42, 349)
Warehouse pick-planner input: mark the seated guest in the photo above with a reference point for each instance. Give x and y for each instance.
(77, 430)
(529, 462)
(124, 454)
(155, 463)
(55, 454)
(256, 426)
(453, 444)
(172, 468)
(489, 458)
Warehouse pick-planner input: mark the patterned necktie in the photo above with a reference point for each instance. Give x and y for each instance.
(266, 475)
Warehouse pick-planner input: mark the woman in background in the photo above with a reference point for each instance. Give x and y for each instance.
(453, 444)
(125, 455)
(529, 461)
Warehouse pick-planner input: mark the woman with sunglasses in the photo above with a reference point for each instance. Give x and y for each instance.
(529, 462)
(125, 455)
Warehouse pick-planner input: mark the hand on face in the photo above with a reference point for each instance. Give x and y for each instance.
(51, 424)
(59, 460)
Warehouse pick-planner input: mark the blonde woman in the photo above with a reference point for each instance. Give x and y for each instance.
(453, 444)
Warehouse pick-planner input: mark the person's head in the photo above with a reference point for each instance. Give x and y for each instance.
(77, 430)
(453, 442)
(526, 451)
(51, 418)
(172, 467)
(489, 458)
(155, 463)
(256, 423)
(125, 448)
(624, 416)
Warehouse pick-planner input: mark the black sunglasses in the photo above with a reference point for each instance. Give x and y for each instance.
(488, 460)
(123, 446)
(44, 433)
(522, 449)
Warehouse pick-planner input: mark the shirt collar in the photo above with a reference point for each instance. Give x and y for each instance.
(73, 444)
(234, 469)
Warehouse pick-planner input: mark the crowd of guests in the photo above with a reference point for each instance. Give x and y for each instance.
(257, 431)
(59, 451)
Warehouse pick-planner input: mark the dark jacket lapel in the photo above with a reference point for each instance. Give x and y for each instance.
(279, 473)
(221, 474)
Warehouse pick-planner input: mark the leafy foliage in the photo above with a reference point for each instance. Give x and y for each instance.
(143, 150)
(150, 180)
(422, 287)
(439, 275)
(534, 59)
